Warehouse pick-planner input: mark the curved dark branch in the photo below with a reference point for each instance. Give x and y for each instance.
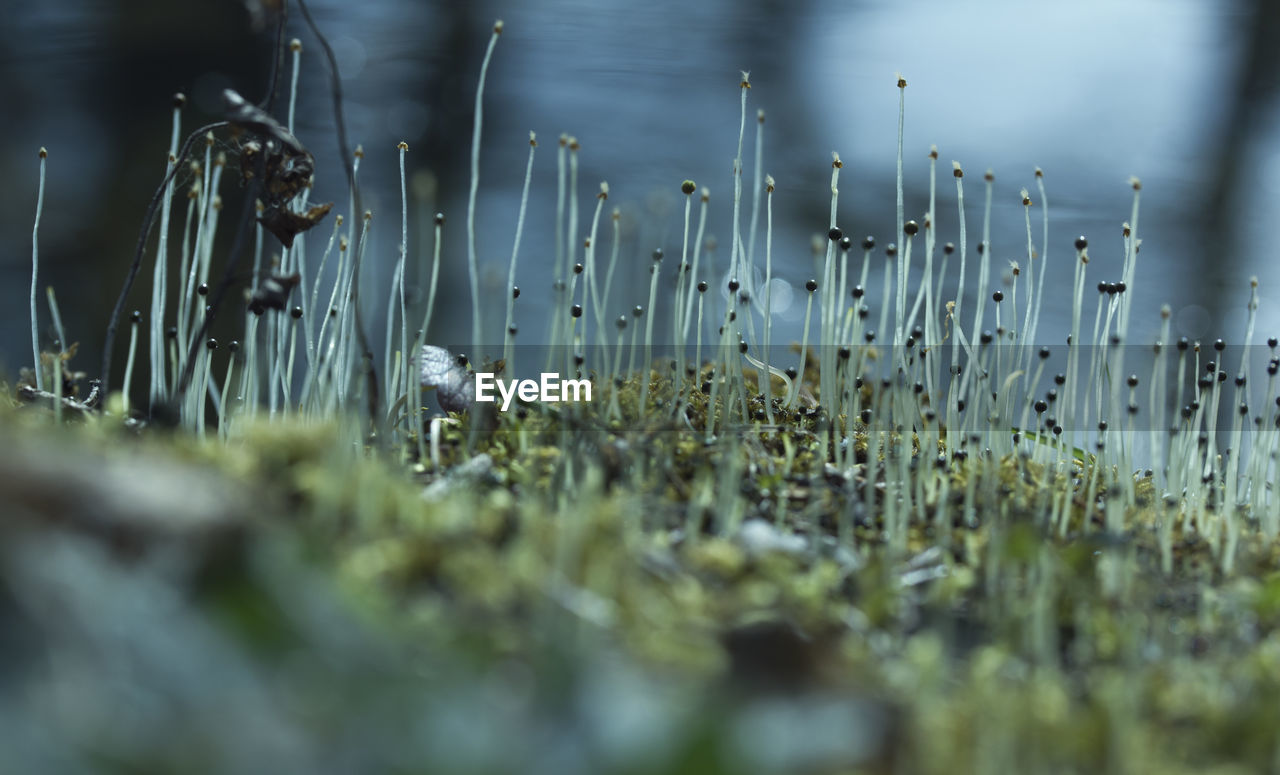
(147, 221)
(371, 374)
(228, 278)
(277, 62)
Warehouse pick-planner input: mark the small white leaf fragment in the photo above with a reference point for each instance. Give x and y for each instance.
(438, 368)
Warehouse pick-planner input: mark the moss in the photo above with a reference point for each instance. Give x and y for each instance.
(1076, 652)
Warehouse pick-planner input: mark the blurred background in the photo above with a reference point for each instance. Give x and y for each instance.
(1181, 93)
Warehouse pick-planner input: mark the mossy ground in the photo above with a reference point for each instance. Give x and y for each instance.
(630, 601)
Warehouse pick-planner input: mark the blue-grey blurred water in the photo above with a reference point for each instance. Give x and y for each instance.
(1092, 93)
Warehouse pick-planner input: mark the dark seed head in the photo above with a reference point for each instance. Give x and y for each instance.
(688, 187)
(733, 285)
(203, 289)
(1081, 243)
(234, 346)
(576, 310)
(868, 242)
(1133, 380)
(212, 344)
(997, 297)
(845, 244)
(135, 317)
(621, 322)
(811, 285)
(657, 254)
(835, 234)
(515, 291)
(702, 286)
(296, 313)
(910, 228)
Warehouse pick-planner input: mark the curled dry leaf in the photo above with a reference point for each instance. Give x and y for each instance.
(273, 292)
(284, 164)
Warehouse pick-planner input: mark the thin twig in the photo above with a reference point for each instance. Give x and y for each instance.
(143, 234)
(277, 63)
(345, 154)
(31, 394)
(228, 278)
(228, 274)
